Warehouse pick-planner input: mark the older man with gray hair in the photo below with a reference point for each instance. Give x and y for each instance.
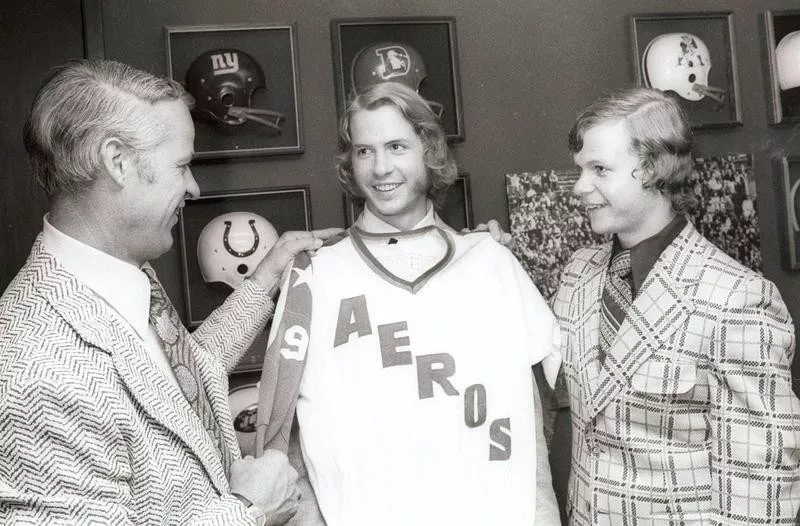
(110, 411)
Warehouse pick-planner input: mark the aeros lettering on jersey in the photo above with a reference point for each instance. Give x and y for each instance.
(439, 368)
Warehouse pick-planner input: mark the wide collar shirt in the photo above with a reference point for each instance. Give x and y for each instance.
(124, 287)
(645, 253)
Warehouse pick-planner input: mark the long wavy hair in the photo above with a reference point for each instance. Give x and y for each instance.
(439, 160)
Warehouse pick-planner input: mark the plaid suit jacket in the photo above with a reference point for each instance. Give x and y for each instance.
(90, 429)
(691, 419)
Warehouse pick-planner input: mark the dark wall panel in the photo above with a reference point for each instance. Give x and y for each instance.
(36, 35)
(527, 68)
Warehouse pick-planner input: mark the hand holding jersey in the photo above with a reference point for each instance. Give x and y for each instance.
(268, 272)
(275, 498)
(497, 233)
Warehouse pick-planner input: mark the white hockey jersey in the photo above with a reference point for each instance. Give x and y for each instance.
(416, 402)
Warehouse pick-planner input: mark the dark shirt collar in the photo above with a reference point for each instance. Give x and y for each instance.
(645, 254)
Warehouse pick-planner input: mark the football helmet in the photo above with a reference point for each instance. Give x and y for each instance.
(679, 62)
(243, 402)
(231, 245)
(222, 82)
(787, 59)
(389, 62)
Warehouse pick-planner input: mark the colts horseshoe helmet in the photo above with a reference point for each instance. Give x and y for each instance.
(389, 62)
(679, 62)
(231, 245)
(223, 81)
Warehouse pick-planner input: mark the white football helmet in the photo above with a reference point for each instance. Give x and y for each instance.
(231, 245)
(679, 62)
(787, 58)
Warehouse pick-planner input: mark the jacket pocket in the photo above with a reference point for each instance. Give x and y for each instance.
(664, 378)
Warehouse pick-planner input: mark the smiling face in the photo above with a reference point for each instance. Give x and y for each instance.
(610, 186)
(389, 166)
(162, 181)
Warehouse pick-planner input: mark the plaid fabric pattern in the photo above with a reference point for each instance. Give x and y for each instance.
(691, 419)
(170, 329)
(617, 297)
(91, 431)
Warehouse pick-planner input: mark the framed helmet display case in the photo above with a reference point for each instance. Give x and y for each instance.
(788, 171)
(223, 238)
(782, 65)
(692, 57)
(418, 52)
(224, 235)
(243, 87)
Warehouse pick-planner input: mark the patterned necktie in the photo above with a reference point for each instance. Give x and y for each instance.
(617, 297)
(169, 328)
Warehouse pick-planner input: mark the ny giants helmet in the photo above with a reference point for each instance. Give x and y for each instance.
(232, 245)
(223, 81)
(679, 62)
(787, 58)
(389, 62)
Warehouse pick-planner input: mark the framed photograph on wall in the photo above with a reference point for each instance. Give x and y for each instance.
(782, 51)
(419, 52)
(692, 57)
(789, 172)
(549, 223)
(244, 82)
(456, 211)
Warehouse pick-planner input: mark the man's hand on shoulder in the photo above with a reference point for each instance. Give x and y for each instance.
(268, 272)
(496, 231)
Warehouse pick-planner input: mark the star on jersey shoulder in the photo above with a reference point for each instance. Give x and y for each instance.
(303, 276)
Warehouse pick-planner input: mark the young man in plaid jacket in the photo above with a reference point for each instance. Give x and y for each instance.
(678, 367)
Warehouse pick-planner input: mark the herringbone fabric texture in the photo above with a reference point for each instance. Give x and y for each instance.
(91, 432)
(691, 420)
(617, 297)
(169, 328)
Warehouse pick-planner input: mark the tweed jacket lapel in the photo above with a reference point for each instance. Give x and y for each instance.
(588, 295)
(101, 327)
(661, 306)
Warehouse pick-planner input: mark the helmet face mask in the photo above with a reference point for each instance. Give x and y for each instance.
(231, 246)
(679, 62)
(222, 82)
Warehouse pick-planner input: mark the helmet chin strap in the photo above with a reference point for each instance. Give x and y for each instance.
(255, 114)
(710, 92)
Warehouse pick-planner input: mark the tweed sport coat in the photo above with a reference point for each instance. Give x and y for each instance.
(90, 429)
(691, 419)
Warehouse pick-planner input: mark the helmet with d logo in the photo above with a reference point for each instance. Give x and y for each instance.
(232, 245)
(387, 62)
(222, 82)
(390, 62)
(679, 62)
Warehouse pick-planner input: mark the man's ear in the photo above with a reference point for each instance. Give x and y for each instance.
(118, 160)
(643, 173)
